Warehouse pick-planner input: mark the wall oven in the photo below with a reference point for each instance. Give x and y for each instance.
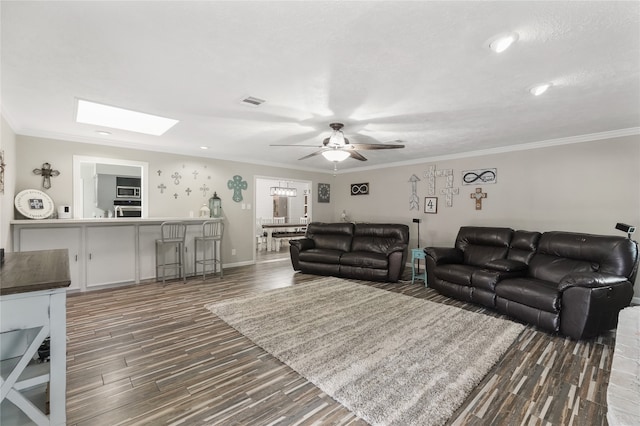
(127, 208)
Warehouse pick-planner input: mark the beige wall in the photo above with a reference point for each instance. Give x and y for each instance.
(8, 144)
(32, 152)
(583, 187)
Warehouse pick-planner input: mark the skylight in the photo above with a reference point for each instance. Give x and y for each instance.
(123, 119)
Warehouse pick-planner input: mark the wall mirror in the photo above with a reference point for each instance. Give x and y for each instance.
(101, 186)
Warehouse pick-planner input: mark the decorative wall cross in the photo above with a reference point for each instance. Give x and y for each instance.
(176, 178)
(448, 195)
(478, 196)
(162, 187)
(188, 191)
(237, 184)
(204, 188)
(414, 201)
(195, 174)
(431, 180)
(46, 171)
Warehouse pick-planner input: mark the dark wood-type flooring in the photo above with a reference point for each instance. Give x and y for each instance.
(152, 354)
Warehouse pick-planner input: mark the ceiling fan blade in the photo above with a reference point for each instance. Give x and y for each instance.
(313, 154)
(371, 146)
(295, 146)
(357, 155)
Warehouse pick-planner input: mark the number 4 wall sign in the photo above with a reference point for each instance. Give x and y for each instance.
(431, 205)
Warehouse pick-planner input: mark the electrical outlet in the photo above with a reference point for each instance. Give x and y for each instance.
(233, 252)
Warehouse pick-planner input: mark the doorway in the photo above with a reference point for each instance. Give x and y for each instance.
(280, 200)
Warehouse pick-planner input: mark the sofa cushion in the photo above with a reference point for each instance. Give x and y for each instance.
(487, 279)
(365, 260)
(379, 238)
(483, 244)
(531, 292)
(523, 246)
(458, 274)
(506, 265)
(552, 268)
(607, 254)
(321, 256)
(333, 236)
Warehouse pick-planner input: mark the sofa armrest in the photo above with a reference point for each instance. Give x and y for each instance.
(397, 247)
(590, 280)
(303, 244)
(295, 247)
(444, 255)
(506, 265)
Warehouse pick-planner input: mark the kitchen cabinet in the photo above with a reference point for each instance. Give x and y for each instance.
(110, 255)
(31, 239)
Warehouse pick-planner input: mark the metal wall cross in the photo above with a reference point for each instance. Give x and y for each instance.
(46, 171)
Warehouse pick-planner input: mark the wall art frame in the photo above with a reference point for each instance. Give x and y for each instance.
(360, 188)
(431, 205)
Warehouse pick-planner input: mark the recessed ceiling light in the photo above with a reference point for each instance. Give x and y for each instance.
(103, 132)
(124, 119)
(502, 43)
(539, 89)
(204, 147)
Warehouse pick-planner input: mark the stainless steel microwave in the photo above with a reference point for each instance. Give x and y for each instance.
(127, 192)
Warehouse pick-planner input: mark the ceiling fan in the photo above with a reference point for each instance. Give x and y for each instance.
(337, 148)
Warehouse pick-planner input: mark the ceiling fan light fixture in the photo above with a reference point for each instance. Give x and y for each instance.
(337, 138)
(335, 155)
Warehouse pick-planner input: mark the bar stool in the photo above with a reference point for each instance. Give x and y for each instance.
(417, 254)
(172, 234)
(212, 231)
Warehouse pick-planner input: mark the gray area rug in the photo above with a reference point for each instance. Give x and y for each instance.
(389, 358)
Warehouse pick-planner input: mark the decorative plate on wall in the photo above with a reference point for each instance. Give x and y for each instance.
(34, 204)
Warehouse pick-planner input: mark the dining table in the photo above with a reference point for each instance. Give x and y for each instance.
(270, 228)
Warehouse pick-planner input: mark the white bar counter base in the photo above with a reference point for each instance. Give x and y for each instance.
(623, 392)
(96, 245)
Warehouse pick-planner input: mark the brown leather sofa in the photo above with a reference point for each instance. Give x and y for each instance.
(570, 283)
(365, 251)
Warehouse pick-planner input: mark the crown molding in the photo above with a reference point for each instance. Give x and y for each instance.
(591, 137)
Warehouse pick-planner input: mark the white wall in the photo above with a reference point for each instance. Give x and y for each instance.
(8, 144)
(583, 187)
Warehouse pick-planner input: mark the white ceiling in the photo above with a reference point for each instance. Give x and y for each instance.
(417, 71)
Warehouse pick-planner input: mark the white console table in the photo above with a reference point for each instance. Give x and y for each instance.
(32, 308)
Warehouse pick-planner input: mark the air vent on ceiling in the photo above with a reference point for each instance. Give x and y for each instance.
(250, 100)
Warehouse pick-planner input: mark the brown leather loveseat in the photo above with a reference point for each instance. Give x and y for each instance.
(365, 251)
(564, 282)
